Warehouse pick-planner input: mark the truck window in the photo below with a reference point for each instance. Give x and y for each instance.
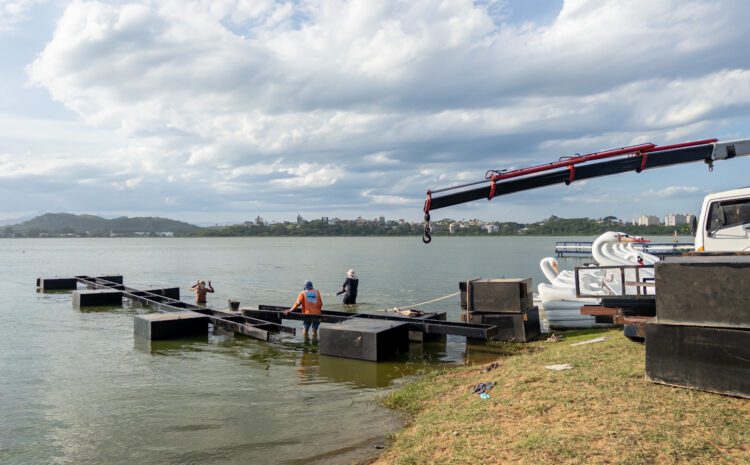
(727, 214)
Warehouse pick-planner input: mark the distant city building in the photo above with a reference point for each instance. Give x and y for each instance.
(324, 220)
(259, 221)
(452, 228)
(648, 220)
(300, 220)
(492, 228)
(165, 234)
(382, 220)
(675, 219)
(689, 218)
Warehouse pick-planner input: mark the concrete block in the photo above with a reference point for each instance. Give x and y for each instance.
(96, 298)
(56, 284)
(364, 339)
(704, 291)
(709, 359)
(172, 325)
(517, 327)
(498, 295)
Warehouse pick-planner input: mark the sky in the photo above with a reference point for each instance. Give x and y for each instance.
(222, 110)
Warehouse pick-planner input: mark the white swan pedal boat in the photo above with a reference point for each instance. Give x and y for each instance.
(558, 299)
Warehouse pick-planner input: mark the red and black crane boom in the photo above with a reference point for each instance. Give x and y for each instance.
(578, 167)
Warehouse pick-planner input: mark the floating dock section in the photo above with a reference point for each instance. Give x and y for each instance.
(362, 336)
(377, 337)
(176, 319)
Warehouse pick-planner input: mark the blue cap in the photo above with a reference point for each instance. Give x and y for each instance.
(308, 285)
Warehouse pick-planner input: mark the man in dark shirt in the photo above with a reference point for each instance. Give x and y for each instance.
(349, 288)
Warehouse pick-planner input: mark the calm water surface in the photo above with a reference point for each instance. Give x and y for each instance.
(76, 388)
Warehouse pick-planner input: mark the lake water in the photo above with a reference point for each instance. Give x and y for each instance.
(77, 388)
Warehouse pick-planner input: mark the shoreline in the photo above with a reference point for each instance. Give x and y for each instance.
(602, 411)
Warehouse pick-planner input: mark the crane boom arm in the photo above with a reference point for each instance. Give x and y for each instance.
(565, 171)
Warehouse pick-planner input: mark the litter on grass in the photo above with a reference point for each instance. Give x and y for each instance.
(491, 367)
(555, 338)
(591, 341)
(481, 388)
(560, 367)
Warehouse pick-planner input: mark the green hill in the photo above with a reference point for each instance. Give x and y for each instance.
(67, 223)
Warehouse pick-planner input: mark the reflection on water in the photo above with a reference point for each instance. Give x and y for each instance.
(313, 368)
(169, 346)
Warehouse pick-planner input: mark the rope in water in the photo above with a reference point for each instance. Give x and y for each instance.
(430, 301)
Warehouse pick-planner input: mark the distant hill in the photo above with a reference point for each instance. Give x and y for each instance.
(67, 223)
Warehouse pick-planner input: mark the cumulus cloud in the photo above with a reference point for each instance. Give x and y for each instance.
(671, 191)
(253, 100)
(309, 175)
(13, 12)
(387, 199)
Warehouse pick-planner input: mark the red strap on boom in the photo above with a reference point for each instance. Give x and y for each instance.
(572, 176)
(644, 159)
(428, 203)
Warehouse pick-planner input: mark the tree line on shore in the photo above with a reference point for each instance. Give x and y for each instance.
(68, 225)
(552, 226)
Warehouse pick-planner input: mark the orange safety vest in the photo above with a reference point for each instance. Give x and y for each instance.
(310, 302)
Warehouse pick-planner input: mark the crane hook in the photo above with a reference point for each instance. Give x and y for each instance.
(427, 237)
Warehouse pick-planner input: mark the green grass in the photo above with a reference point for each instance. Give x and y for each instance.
(603, 411)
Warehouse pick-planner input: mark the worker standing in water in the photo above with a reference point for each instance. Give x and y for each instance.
(311, 303)
(200, 289)
(349, 289)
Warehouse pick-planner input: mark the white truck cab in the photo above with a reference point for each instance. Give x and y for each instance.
(724, 222)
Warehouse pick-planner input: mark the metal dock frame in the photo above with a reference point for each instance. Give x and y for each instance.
(249, 326)
(427, 326)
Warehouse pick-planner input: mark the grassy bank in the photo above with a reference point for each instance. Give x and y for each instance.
(602, 411)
